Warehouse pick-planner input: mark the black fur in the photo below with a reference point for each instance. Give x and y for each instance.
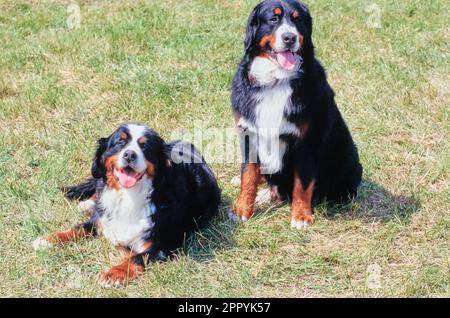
(186, 195)
(326, 153)
(81, 192)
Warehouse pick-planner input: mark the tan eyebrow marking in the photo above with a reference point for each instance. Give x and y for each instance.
(295, 14)
(123, 135)
(142, 140)
(277, 11)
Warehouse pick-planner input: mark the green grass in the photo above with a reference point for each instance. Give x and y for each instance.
(169, 63)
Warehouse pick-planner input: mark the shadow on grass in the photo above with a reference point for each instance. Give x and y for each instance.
(374, 203)
(214, 238)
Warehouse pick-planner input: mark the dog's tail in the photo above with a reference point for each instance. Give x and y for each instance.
(81, 192)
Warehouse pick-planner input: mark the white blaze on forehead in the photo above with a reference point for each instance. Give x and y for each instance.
(286, 28)
(135, 133)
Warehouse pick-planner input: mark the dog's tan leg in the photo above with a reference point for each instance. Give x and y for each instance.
(250, 179)
(129, 269)
(80, 231)
(301, 212)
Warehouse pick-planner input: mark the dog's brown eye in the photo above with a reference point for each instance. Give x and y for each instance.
(275, 19)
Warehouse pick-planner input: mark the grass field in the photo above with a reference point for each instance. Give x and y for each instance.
(169, 63)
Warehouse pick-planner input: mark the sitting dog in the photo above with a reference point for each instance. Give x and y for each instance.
(293, 133)
(146, 196)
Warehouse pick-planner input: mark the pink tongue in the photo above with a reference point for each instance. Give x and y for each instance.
(127, 179)
(286, 60)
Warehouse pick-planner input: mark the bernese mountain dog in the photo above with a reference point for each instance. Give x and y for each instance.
(145, 197)
(292, 132)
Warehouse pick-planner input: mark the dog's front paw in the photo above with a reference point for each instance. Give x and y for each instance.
(41, 243)
(115, 277)
(120, 275)
(302, 222)
(233, 216)
(242, 210)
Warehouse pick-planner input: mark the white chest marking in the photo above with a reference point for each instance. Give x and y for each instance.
(127, 215)
(270, 124)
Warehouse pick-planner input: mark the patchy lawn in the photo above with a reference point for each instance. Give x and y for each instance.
(170, 63)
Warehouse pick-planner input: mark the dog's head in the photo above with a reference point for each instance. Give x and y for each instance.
(131, 154)
(279, 30)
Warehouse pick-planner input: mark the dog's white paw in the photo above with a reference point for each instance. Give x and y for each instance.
(299, 224)
(86, 206)
(236, 181)
(108, 284)
(303, 222)
(263, 196)
(41, 243)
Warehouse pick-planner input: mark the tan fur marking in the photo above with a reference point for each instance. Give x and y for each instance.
(122, 273)
(268, 39)
(236, 117)
(150, 168)
(111, 180)
(66, 236)
(303, 128)
(250, 179)
(302, 201)
(277, 11)
(142, 140)
(295, 14)
(126, 253)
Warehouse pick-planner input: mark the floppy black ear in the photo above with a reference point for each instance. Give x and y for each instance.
(98, 169)
(306, 31)
(308, 21)
(251, 28)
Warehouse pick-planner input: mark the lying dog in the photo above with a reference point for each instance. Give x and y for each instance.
(287, 116)
(145, 196)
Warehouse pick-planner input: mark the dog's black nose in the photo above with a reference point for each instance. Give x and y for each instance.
(289, 38)
(129, 156)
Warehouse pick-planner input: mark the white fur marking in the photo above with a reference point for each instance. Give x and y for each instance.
(127, 214)
(279, 44)
(266, 71)
(269, 125)
(299, 224)
(136, 132)
(87, 205)
(270, 122)
(41, 244)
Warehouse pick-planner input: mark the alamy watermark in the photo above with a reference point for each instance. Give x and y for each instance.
(73, 20)
(373, 21)
(373, 278)
(228, 145)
